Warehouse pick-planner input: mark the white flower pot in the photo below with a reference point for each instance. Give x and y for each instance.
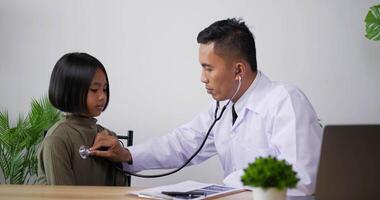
(269, 194)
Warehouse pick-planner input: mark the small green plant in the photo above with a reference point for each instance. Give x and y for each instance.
(270, 172)
(372, 23)
(19, 141)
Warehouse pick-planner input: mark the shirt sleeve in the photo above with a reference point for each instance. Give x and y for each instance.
(297, 136)
(56, 162)
(174, 149)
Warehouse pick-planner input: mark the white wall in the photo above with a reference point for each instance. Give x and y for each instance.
(149, 49)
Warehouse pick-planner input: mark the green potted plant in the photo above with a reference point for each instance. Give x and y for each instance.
(19, 141)
(372, 23)
(269, 178)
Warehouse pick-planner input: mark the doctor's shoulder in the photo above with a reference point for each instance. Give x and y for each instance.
(289, 96)
(281, 93)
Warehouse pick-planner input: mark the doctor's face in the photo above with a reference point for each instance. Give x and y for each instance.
(217, 75)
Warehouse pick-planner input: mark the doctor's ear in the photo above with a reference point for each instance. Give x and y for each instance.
(239, 70)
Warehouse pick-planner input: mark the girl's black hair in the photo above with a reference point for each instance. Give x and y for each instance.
(70, 81)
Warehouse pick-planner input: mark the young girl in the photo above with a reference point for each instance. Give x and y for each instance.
(79, 87)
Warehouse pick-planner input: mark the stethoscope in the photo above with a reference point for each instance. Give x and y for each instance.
(84, 151)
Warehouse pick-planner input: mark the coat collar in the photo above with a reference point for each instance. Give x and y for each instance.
(254, 98)
(80, 120)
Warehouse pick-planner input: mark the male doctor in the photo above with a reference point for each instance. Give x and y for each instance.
(262, 118)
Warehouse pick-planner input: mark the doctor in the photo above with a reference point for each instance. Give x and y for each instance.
(263, 118)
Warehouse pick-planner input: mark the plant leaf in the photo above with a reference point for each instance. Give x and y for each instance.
(270, 172)
(19, 142)
(372, 23)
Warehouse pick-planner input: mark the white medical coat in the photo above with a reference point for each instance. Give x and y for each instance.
(273, 119)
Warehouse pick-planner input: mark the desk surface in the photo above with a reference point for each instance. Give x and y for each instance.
(34, 192)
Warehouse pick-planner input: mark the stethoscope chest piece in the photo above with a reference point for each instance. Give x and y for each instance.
(84, 151)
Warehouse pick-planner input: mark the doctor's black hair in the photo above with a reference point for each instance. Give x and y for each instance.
(232, 39)
(70, 81)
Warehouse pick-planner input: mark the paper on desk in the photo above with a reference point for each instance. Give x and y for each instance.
(211, 190)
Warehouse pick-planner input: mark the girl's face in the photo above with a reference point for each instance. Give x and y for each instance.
(97, 94)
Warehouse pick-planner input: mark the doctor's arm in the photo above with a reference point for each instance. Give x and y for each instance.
(165, 152)
(174, 149)
(115, 151)
(297, 137)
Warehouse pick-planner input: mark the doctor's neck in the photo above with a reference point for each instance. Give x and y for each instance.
(246, 82)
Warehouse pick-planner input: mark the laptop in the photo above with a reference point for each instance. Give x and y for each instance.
(349, 166)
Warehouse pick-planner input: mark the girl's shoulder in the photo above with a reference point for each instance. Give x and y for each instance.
(101, 128)
(56, 137)
(61, 129)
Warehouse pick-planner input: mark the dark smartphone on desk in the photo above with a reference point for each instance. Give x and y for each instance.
(184, 195)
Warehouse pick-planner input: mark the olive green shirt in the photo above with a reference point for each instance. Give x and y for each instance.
(59, 162)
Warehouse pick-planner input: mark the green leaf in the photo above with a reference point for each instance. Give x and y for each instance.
(19, 142)
(270, 172)
(372, 23)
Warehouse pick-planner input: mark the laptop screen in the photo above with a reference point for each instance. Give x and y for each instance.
(349, 166)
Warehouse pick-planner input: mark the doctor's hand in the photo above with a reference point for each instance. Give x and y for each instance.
(114, 151)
